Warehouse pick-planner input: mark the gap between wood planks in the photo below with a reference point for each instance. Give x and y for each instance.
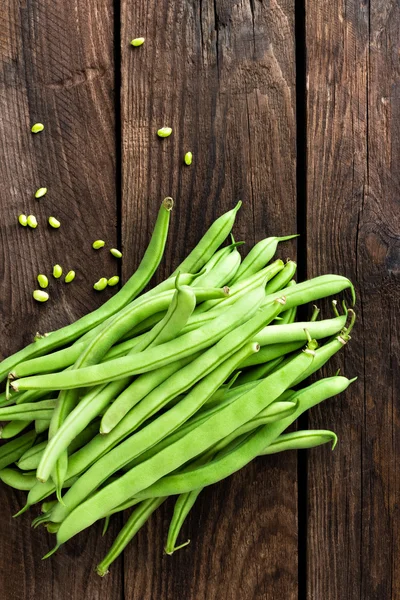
(301, 187)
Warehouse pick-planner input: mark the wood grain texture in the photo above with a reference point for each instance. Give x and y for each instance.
(221, 74)
(56, 68)
(354, 228)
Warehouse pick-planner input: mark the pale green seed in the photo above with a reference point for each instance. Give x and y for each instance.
(37, 128)
(188, 158)
(113, 280)
(137, 42)
(70, 276)
(40, 192)
(53, 222)
(116, 253)
(31, 221)
(101, 284)
(42, 280)
(98, 244)
(23, 220)
(57, 271)
(40, 296)
(164, 132)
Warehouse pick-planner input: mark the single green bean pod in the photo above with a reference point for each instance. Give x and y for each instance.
(98, 244)
(31, 221)
(23, 220)
(113, 281)
(70, 276)
(40, 296)
(42, 280)
(188, 158)
(40, 192)
(37, 128)
(57, 271)
(116, 253)
(101, 284)
(137, 42)
(164, 132)
(53, 222)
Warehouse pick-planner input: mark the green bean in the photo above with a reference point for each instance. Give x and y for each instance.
(312, 290)
(282, 279)
(100, 444)
(288, 441)
(145, 438)
(31, 396)
(240, 289)
(291, 332)
(22, 412)
(218, 469)
(218, 426)
(182, 507)
(181, 308)
(18, 480)
(326, 351)
(13, 428)
(92, 351)
(258, 372)
(150, 359)
(137, 519)
(213, 262)
(223, 272)
(179, 311)
(259, 256)
(300, 440)
(130, 290)
(42, 425)
(161, 396)
(31, 458)
(209, 243)
(12, 451)
(268, 353)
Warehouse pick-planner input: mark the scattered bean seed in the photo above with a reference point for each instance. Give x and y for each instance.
(113, 280)
(40, 192)
(53, 222)
(98, 244)
(37, 128)
(57, 271)
(42, 280)
(23, 220)
(116, 253)
(40, 296)
(70, 276)
(31, 221)
(188, 158)
(137, 42)
(101, 284)
(164, 132)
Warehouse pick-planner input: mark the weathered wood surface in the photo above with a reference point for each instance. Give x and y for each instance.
(56, 68)
(223, 75)
(353, 224)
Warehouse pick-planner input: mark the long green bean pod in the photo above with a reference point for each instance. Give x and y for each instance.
(128, 292)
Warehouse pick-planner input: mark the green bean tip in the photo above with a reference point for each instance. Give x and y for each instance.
(51, 552)
(168, 203)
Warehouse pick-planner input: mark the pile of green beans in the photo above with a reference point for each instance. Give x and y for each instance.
(164, 393)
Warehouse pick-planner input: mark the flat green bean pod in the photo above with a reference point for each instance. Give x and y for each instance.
(301, 440)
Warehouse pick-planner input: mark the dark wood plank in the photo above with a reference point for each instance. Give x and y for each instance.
(57, 68)
(221, 74)
(353, 226)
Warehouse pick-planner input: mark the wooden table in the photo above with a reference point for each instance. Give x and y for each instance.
(293, 108)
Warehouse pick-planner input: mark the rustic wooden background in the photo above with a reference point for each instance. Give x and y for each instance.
(295, 109)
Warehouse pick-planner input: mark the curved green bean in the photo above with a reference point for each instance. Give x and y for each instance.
(259, 256)
(18, 480)
(301, 440)
(130, 290)
(13, 428)
(137, 519)
(209, 243)
(12, 451)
